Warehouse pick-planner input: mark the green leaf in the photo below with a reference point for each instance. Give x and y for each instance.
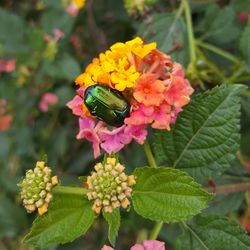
(69, 217)
(12, 218)
(219, 24)
(206, 135)
(166, 194)
(64, 67)
(114, 221)
(167, 30)
(11, 41)
(241, 5)
(213, 233)
(57, 18)
(224, 204)
(245, 44)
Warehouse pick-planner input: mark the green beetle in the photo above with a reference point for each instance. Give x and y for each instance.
(106, 104)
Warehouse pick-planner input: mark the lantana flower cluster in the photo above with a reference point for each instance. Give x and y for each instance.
(36, 188)
(154, 86)
(109, 187)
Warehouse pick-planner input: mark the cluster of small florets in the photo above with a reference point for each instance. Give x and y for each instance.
(153, 85)
(36, 188)
(109, 186)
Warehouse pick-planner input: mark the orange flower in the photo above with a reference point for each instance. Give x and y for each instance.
(178, 92)
(148, 90)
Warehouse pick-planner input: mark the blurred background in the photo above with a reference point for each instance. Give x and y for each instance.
(45, 44)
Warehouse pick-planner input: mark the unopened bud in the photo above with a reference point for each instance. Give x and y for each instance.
(109, 186)
(36, 188)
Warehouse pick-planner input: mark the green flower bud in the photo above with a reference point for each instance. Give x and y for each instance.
(109, 186)
(36, 188)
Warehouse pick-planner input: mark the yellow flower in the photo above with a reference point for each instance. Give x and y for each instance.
(123, 78)
(117, 66)
(79, 3)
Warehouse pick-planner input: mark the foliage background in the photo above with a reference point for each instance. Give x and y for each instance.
(43, 66)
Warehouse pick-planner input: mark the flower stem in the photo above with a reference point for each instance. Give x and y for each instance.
(152, 163)
(69, 190)
(231, 188)
(149, 154)
(218, 51)
(191, 40)
(155, 231)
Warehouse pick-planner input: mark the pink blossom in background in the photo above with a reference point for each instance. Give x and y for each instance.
(146, 245)
(75, 41)
(149, 245)
(57, 35)
(5, 122)
(7, 66)
(72, 10)
(243, 16)
(5, 119)
(48, 99)
(105, 247)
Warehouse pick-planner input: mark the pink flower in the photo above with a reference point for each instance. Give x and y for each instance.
(76, 105)
(105, 247)
(89, 130)
(5, 119)
(157, 63)
(138, 133)
(114, 140)
(5, 122)
(178, 92)
(177, 70)
(162, 117)
(7, 66)
(72, 10)
(140, 115)
(48, 99)
(148, 90)
(146, 245)
(243, 16)
(174, 114)
(10, 65)
(149, 245)
(58, 34)
(75, 41)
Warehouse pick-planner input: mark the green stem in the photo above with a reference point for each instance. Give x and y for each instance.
(218, 51)
(155, 231)
(69, 190)
(149, 154)
(236, 74)
(152, 163)
(231, 188)
(191, 40)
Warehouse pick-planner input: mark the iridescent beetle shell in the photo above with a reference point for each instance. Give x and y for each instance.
(106, 104)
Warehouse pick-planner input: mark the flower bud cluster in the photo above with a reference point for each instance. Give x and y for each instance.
(109, 186)
(36, 188)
